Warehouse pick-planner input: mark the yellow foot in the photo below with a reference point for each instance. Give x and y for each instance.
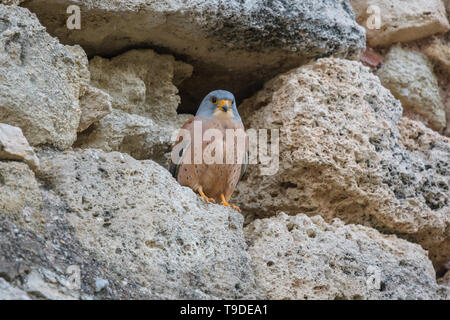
(226, 204)
(207, 199)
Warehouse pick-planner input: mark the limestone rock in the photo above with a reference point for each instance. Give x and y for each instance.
(45, 265)
(135, 216)
(20, 199)
(445, 280)
(40, 80)
(439, 52)
(141, 82)
(100, 284)
(44, 284)
(14, 146)
(14, 2)
(297, 257)
(447, 6)
(409, 75)
(401, 20)
(233, 45)
(83, 78)
(94, 104)
(341, 156)
(138, 136)
(8, 292)
(142, 86)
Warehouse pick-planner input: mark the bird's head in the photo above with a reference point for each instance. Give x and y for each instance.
(219, 104)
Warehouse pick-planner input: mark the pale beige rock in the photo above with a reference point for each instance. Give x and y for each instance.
(40, 80)
(401, 20)
(409, 75)
(439, 51)
(340, 156)
(83, 77)
(142, 86)
(140, 137)
(141, 82)
(14, 146)
(150, 230)
(94, 104)
(20, 198)
(297, 257)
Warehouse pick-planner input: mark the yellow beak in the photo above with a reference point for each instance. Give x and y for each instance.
(224, 105)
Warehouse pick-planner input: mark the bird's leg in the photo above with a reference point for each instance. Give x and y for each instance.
(226, 204)
(207, 199)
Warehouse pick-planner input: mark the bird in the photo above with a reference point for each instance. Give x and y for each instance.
(215, 181)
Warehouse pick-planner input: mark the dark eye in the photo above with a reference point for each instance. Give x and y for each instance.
(214, 100)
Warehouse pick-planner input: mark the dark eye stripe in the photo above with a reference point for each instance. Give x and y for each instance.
(214, 100)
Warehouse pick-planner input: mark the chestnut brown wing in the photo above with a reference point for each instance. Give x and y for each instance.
(174, 167)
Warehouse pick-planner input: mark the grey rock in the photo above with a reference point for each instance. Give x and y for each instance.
(94, 105)
(144, 98)
(298, 257)
(44, 284)
(233, 45)
(23, 252)
(9, 292)
(14, 146)
(40, 80)
(141, 82)
(11, 2)
(100, 284)
(12, 270)
(148, 228)
(341, 155)
(140, 137)
(409, 75)
(20, 198)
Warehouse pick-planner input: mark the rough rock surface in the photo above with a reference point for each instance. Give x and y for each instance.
(439, 52)
(409, 75)
(401, 20)
(297, 257)
(39, 267)
(98, 224)
(14, 146)
(135, 216)
(141, 82)
(41, 80)
(8, 292)
(20, 199)
(445, 280)
(233, 45)
(15, 2)
(341, 156)
(447, 7)
(140, 137)
(94, 105)
(144, 96)
(45, 284)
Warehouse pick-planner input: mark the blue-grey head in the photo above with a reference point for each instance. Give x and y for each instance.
(219, 104)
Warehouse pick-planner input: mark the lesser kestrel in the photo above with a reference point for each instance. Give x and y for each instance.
(210, 154)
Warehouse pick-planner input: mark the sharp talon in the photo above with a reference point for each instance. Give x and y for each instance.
(226, 204)
(204, 196)
(236, 208)
(210, 200)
